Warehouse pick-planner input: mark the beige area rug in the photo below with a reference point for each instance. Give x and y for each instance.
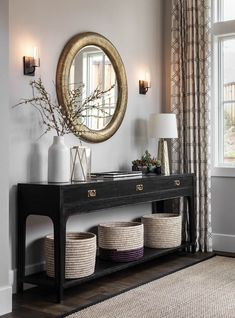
(203, 290)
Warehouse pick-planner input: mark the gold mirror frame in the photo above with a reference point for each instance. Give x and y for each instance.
(73, 46)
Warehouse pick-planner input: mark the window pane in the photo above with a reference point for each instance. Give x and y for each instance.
(228, 100)
(227, 10)
(229, 133)
(100, 75)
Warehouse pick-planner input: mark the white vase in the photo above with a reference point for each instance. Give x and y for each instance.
(58, 161)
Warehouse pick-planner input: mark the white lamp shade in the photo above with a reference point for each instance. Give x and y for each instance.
(163, 126)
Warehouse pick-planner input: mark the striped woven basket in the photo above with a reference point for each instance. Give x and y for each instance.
(80, 254)
(121, 241)
(162, 230)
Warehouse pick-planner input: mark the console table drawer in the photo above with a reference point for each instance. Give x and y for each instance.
(136, 186)
(147, 185)
(90, 192)
(166, 183)
(177, 182)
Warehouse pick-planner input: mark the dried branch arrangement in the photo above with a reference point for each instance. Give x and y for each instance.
(55, 117)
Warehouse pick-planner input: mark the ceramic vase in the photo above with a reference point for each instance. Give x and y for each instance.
(58, 161)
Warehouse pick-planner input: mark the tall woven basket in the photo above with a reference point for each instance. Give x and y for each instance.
(162, 230)
(80, 255)
(121, 241)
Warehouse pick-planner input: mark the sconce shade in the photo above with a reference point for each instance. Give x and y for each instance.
(31, 62)
(163, 126)
(144, 83)
(143, 87)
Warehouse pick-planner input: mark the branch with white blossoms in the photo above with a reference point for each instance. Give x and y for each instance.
(69, 119)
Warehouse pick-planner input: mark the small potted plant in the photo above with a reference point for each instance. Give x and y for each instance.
(145, 164)
(136, 165)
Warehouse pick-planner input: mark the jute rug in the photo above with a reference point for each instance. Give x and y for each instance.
(203, 290)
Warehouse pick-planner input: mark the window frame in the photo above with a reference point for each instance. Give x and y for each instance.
(221, 30)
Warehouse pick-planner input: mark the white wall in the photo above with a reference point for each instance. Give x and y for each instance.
(5, 288)
(134, 27)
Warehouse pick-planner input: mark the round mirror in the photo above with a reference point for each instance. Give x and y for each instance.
(90, 64)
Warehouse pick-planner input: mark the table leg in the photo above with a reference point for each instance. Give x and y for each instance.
(192, 223)
(21, 240)
(59, 255)
(158, 206)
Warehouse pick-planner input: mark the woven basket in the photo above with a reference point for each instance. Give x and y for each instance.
(80, 254)
(162, 230)
(121, 241)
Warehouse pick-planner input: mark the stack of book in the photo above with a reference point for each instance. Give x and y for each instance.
(117, 175)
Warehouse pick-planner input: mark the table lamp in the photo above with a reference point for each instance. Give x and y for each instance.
(163, 126)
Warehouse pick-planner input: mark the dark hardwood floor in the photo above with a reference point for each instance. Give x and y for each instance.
(40, 303)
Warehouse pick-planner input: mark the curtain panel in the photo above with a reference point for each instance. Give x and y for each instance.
(190, 78)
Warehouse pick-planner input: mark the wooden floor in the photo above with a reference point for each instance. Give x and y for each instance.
(39, 303)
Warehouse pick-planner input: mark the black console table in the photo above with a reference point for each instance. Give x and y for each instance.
(60, 201)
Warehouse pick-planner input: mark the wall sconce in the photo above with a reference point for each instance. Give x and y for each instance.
(31, 62)
(144, 85)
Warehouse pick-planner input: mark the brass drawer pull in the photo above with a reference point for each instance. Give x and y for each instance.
(139, 187)
(91, 193)
(177, 183)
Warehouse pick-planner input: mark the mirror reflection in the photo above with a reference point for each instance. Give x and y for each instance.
(90, 64)
(92, 69)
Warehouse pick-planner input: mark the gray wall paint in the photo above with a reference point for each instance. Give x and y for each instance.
(4, 132)
(223, 204)
(223, 213)
(135, 29)
(5, 289)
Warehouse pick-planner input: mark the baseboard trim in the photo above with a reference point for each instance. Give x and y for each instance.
(29, 269)
(5, 300)
(223, 242)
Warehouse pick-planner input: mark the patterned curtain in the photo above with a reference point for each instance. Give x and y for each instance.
(190, 69)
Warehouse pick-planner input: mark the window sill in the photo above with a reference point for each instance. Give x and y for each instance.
(223, 171)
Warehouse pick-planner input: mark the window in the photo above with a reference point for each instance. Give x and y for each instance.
(99, 74)
(91, 69)
(226, 102)
(225, 10)
(224, 83)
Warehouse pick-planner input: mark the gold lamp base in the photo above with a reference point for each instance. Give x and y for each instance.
(163, 157)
